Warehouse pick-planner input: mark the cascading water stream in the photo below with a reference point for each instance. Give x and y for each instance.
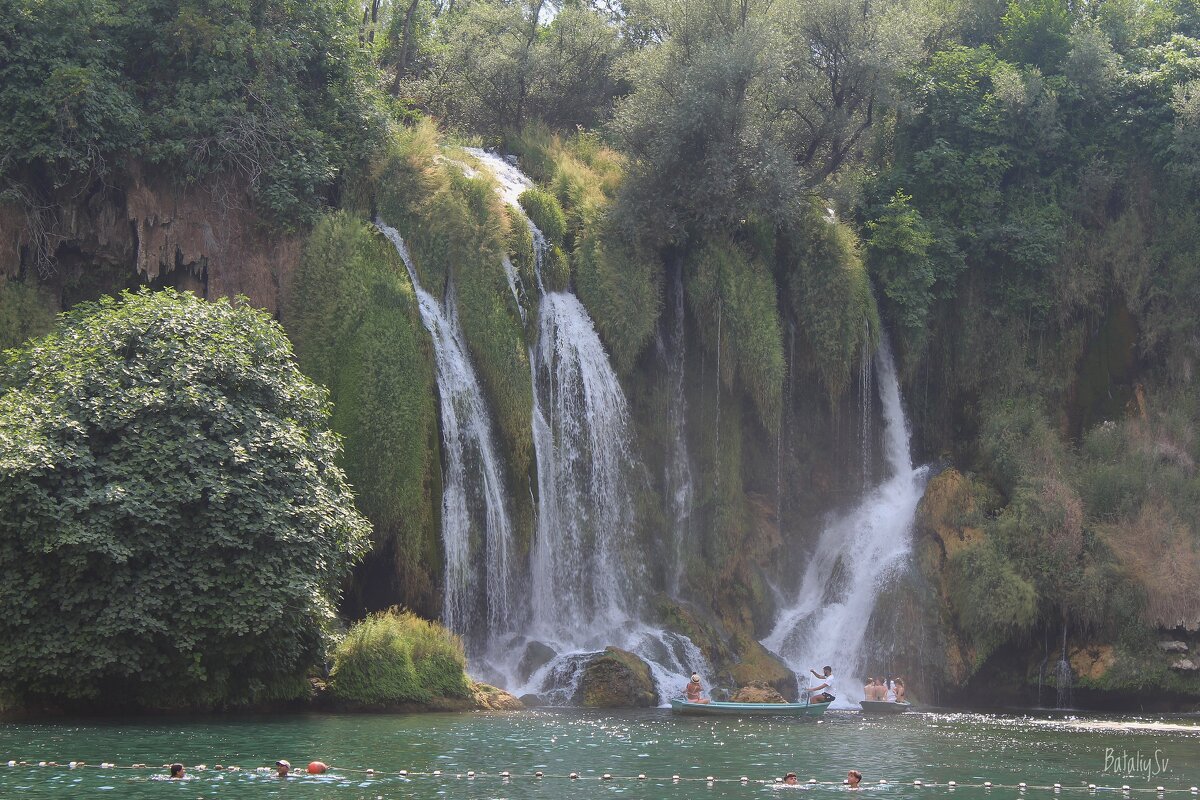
(476, 529)
(680, 491)
(857, 554)
(584, 564)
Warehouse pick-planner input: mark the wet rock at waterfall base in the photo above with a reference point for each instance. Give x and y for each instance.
(536, 656)
(758, 665)
(532, 700)
(490, 698)
(757, 692)
(617, 679)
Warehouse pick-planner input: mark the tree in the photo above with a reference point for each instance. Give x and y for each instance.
(175, 527)
(278, 93)
(499, 66)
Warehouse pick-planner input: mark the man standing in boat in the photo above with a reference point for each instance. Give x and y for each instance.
(825, 688)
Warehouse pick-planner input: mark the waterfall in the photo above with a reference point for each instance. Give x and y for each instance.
(585, 568)
(857, 554)
(476, 529)
(582, 443)
(866, 406)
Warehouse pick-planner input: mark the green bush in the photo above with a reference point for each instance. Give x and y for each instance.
(991, 602)
(621, 289)
(397, 657)
(176, 528)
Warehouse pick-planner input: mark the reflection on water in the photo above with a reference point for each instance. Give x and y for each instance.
(967, 748)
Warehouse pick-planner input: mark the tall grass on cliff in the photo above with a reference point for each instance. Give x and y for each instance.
(458, 233)
(397, 657)
(353, 317)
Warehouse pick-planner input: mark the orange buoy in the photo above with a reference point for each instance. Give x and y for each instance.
(317, 768)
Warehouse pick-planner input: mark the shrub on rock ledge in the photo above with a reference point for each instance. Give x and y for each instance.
(395, 657)
(173, 526)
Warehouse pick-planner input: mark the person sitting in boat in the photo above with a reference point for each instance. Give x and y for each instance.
(889, 692)
(825, 687)
(901, 695)
(874, 689)
(692, 690)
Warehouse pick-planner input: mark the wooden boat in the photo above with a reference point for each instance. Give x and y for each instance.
(749, 709)
(884, 707)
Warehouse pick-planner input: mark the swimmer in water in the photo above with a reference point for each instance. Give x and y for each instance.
(176, 771)
(853, 778)
(790, 779)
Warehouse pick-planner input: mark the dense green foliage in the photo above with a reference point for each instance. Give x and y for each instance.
(175, 526)
(396, 657)
(276, 93)
(25, 312)
(353, 318)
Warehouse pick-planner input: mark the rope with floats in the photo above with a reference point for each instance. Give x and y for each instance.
(539, 775)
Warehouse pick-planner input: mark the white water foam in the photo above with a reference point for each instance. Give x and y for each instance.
(857, 555)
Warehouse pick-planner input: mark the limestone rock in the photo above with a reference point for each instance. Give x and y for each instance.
(757, 692)
(490, 698)
(760, 665)
(1173, 647)
(1185, 665)
(536, 656)
(1091, 662)
(617, 679)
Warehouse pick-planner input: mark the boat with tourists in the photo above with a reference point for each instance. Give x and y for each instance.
(884, 707)
(715, 708)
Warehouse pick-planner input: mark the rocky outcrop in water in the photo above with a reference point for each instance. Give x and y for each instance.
(617, 679)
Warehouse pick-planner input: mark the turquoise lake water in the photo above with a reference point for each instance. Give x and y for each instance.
(932, 747)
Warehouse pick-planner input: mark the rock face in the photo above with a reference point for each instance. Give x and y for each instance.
(757, 692)
(759, 665)
(1173, 647)
(950, 498)
(617, 679)
(205, 238)
(536, 656)
(1092, 662)
(1185, 665)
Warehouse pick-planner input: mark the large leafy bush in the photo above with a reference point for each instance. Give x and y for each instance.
(174, 528)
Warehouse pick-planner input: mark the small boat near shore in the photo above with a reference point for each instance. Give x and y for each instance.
(884, 707)
(719, 709)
